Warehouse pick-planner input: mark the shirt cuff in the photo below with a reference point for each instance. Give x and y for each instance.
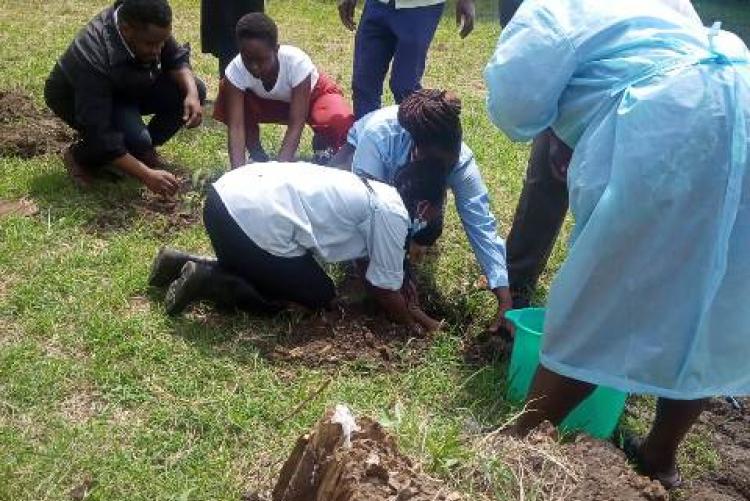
(384, 279)
(498, 278)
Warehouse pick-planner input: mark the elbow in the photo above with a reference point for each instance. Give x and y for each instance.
(508, 110)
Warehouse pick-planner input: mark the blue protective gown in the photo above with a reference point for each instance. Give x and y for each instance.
(653, 297)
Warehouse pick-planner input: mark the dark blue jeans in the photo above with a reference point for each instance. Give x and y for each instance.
(164, 101)
(388, 34)
(507, 9)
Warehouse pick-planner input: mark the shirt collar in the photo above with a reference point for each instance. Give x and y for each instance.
(122, 39)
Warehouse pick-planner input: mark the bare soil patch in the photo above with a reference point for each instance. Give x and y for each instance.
(356, 332)
(544, 469)
(26, 131)
(164, 213)
(22, 207)
(353, 334)
(729, 432)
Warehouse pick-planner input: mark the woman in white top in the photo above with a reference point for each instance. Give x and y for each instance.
(272, 83)
(270, 224)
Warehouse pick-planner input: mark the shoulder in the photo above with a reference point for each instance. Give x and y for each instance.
(237, 73)
(90, 49)
(382, 122)
(292, 54)
(389, 202)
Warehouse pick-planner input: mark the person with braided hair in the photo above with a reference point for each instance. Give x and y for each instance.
(427, 126)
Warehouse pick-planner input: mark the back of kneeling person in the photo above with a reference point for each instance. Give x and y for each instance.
(269, 224)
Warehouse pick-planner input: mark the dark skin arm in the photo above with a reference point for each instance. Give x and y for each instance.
(398, 306)
(504, 303)
(465, 14)
(346, 13)
(236, 125)
(299, 107)
(192, 110)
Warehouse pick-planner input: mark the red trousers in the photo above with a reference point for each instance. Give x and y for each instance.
(330, 115)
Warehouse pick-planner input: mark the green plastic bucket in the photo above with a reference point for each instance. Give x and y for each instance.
(598, 415)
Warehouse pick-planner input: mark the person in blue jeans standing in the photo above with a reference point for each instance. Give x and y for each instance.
(396, 33)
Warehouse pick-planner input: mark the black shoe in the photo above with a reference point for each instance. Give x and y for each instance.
(189, 286)
(198, 281)
(168, 264)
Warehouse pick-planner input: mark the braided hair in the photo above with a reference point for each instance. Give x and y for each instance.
(422, 180)
(432, 117)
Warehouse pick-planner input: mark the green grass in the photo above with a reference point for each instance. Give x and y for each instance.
(734, 15)
(97, 383)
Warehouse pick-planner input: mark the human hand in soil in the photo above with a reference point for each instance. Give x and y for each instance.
(465, 14)
(192, 113)
(161, 182)
(504, 303)
(346, 13)
(428, 323)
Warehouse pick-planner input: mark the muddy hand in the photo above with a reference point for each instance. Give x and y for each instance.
(162, 182)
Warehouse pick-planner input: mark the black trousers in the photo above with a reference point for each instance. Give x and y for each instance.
(218, 25)
(539, 216)
(297, 279)
(164, 100)
(507, 9)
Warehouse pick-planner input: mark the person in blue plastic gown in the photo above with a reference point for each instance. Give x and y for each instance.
(651, 298)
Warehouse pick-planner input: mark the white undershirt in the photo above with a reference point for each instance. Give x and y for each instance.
(294, 67)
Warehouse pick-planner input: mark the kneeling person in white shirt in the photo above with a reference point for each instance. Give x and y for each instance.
(269, 224)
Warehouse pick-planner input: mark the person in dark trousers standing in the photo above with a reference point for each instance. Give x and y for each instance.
(541, 209)
(218, 21)
(397, 32)
(122, 65)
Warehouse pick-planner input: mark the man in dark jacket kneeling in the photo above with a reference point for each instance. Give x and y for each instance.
(125, 64)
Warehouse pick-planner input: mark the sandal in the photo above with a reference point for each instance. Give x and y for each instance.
(632, 446)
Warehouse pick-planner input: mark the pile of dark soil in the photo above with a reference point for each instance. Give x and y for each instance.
(26, 131)
(729, 431)
(353, 334)
(585, 469)
(334, 462)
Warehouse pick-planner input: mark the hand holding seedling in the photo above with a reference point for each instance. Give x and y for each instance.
(161, 182)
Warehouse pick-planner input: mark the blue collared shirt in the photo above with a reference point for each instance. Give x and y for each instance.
(383, 147)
